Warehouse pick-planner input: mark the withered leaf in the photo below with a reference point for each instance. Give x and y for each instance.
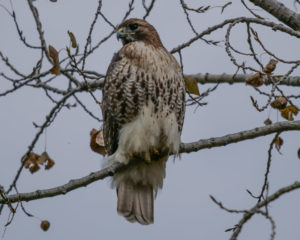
(45, 159)
(42, 159)
(268, 121)
(270, 67)
(26, 164)
(34, 167)
(72, 39)
(278, 143)
(55, 60)
(31, 160)
(68, 51)
(49, 164)
(34, 160)
(255, 80)
(53, 0)
(97, 141)
(279, 103)
(191, 85)
(289, 112)
(45, 225)
(299, 153)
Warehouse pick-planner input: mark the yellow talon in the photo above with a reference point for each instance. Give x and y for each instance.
(154, 151)
(148, 157)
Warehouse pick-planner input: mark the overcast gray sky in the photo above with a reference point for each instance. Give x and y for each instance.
(183, 209)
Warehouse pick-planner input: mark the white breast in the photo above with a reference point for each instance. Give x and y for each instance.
(144, 132)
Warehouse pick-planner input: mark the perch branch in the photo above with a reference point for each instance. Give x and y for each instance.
(184, 148)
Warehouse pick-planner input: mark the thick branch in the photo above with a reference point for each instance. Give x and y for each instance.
(240, 136)
(214, 78)
(281, 12)
(184, 148)
(63, 189)
(239, 78)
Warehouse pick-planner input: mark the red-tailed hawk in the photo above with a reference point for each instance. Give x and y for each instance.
(143, 112)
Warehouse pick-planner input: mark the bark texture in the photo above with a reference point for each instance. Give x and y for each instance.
(281, 12)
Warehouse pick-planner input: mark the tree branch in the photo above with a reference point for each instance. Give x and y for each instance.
(63, 189)
(209, 30)
(184, 148)
(215, 78)
(280, 11)
(240, 78)
(254, 210)
(240, 136)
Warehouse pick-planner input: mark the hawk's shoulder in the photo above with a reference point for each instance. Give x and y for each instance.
(115, 59)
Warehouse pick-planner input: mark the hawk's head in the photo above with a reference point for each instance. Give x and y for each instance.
(138, 30)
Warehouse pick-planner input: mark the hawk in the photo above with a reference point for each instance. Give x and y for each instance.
(143, 113)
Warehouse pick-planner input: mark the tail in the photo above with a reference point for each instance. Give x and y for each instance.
(135, 202)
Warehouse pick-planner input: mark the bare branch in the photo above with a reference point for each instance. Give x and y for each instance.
(240, 136)
(240, 78)
(264, 187)
(252, 48)
(49, 118)
(63, 189)
(148, 9)
(184, 148)
(89, 37)
(38, 23)
(280, 11)
(253, 210)
(250, 10)
(6, 61)
(273, 25)
(209, 78)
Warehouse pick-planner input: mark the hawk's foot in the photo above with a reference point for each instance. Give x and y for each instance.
(154, 151)
(148, 157)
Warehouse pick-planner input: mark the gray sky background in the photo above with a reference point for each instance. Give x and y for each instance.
(183, 209)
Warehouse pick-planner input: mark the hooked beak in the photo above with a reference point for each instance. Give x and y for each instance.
(123, 33)
(120, 33)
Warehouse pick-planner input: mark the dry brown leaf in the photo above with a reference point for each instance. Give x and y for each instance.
(289, 112)
(27, 164)
(255, 80)
(53, 0)
(97, 141)
(268, 121)
(31, 160)
(278, 143)
(33, 168)
(191, 85)
(50, 163)
(68, 52)
(55, 60)
(34, 160)
(42, 159)
(279, 103)
(45, 159)
(45, 225)
(270, 67)
(100, 138)
(299, 153)
(72, 39)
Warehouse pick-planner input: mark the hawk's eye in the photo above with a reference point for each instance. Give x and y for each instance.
(133, 26)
